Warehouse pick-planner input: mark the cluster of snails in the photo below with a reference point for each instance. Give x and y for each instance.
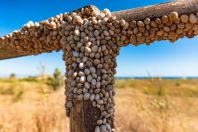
(46, 36)
(35, 38)
(90, 57)
(90, 40)
(169, 27)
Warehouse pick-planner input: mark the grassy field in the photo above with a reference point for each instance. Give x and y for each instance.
(150, 105)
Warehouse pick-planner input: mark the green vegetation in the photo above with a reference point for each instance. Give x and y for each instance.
(12, 76)
(56, 81)
(156, 104)
(161, 87)
(30, 79)
(14, 89)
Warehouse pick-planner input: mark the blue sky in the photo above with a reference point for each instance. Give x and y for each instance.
(159, 59)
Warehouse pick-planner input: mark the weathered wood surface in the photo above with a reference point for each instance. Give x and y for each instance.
(5, 52)
(181, 6)
(83, 117)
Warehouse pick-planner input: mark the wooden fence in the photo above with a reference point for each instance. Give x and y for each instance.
(91, 40)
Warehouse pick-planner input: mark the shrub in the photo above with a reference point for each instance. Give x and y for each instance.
(56, 81)
(12, 76)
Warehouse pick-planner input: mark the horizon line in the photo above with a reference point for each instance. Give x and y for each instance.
(117, 77)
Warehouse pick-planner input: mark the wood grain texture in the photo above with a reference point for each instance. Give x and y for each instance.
(7, 53)
(83, 117)
(154, 11)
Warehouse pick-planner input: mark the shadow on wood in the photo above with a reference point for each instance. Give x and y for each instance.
(84, 117)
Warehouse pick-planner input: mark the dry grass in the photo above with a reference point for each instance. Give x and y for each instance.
(141, 106)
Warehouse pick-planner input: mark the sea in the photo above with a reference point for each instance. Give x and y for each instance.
(163, 77)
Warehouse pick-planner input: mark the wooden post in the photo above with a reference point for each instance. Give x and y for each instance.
(89, 88)
(83, 117)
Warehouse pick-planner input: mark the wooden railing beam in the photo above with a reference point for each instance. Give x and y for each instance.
(155, 11)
